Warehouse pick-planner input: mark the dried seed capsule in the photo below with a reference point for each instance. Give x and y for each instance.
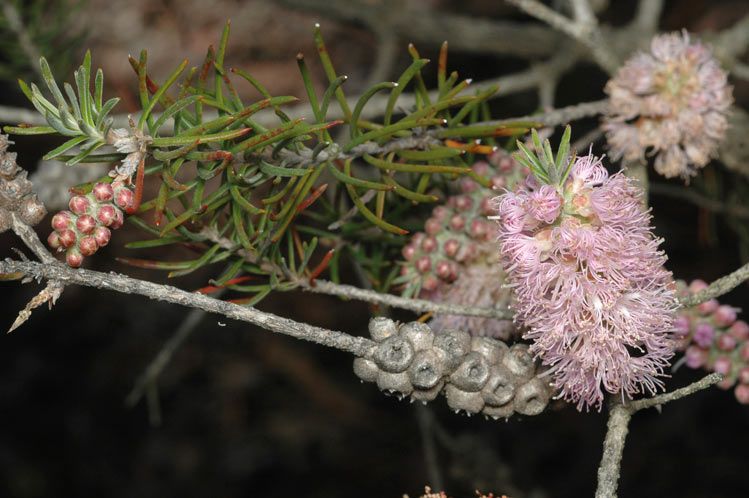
(394, 354)
(380, 328)
(426, 370)
(6, 220)
(472, 374)
(430, 394)
(456, 344)
(394, 382)
(500, 388)
(419, 334)
(492, 349)
(461, 400)
(519, 361)
(32, 211)
(366, 369)
(532, 397)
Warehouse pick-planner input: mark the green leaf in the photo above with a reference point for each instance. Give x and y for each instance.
(64, 147)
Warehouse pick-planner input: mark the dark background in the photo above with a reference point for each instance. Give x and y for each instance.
(248, 413)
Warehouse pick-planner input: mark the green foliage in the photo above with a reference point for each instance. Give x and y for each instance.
(269, 200)
(542, 162)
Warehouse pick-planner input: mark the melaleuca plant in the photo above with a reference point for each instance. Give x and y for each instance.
(278, 192)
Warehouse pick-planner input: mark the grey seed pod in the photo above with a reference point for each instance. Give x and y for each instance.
(419, 334)
(519, 361)
(425, 395)
(500, 388)
(497, 412)
(472, 373)
(394, 354)
(6, 220)
(381, 327)
(31, 211)
(461, 400)
(455, 343)
(492, 349)
(394, 382)
(532, 397)
(365, 369)
(426, 370)
(8, 165)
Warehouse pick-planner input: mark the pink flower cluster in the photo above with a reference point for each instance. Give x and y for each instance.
(87, 226)
(454, 260)
(673, 101)
(714, 339)
(589, 282)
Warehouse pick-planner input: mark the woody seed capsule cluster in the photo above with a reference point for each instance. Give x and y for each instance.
(454, 260)
(713, 338)
(477, 375)
(87, 226)
(16, 194)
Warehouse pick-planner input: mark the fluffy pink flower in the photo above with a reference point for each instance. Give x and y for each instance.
(671, 101)
(589, 283)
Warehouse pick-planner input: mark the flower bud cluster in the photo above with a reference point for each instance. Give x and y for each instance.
(713, 338)
(454, 260)
(476, 374)
(672, 101)
(16, 195)
(87, 226)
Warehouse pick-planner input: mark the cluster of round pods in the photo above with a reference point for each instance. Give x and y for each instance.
(81, 231)
(16, 195)
(712, 338)
(476, 374)
(458, 232)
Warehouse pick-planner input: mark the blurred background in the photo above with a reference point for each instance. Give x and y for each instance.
(241, 412)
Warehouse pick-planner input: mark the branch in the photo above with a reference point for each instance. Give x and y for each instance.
(647, 16)
(719, 287)
(359, 346)
(618, 427)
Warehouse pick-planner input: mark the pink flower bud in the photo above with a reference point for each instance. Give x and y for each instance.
(696, 357)
(726, 342)
(697, 285)
(53, 240)
(703, 335)
(417, 238)
(423, 264)
(107, 214)
(744, 353)
(79, 204)
(467, 185)
(451, 248)
(743, 375)
(739, 330)
(119, 219)
(430, 283)
(742, 394)
(479, 230)
(480, 168)
(103, 192)
(85, 223)
(457, 223)
(74, 258)
(67, 238)
(487, 207)
(429, 244)
(102, 236)
(497, 182)
(408, 252)
(708, 307)
(87, 246)
(440, 213)
(722, 365)
(433, 226)
(62, 220)
(463, 203)
(724, 316)
(123, 197)
(443, 270)
(726, 383)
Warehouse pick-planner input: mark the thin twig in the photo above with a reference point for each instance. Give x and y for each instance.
(360, 346)
(648, 15)
(719, 287)
(618, 427)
